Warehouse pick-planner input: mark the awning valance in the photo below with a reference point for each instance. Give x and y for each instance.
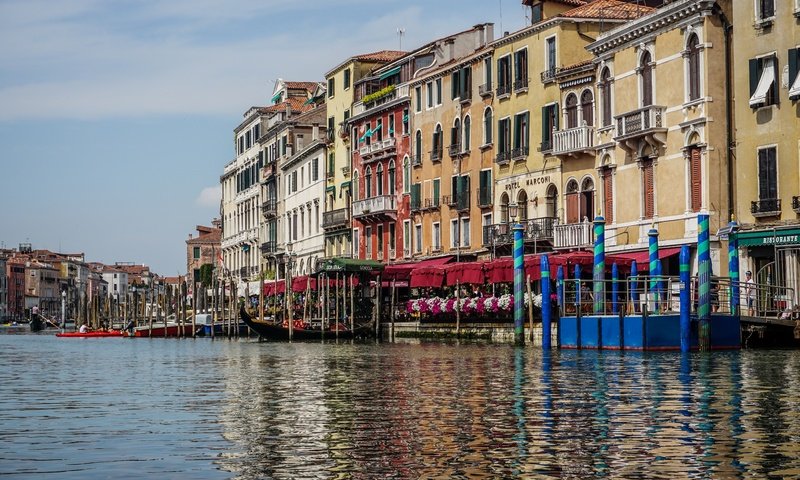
(389, 73)
(350, 265)
(402, 271)
(765, 82)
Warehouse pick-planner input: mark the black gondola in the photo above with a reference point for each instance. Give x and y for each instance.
(272, 331)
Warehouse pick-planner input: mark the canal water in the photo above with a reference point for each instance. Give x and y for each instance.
(202, 409)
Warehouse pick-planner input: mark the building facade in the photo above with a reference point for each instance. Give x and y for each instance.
(3, 288)
(203, 249)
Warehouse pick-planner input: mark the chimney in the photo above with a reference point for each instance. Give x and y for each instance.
(190, 236)
(451, 48)
(479, 36)
(288, 110)
(314, 132)
(489, 32)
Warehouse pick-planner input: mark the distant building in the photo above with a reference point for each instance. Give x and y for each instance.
(203, 249)
(117, 281)
(3, 288)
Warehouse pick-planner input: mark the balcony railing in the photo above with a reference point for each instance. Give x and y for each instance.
(269, 208)
(549, 75)
(360, 107)
(503, 89)
(431, 203)
(796, 204)
(436, 155)
(462, 202)
(454, 149)
(535, 230)
(766, 207)
(449, 200)
(380, 205)
(485, 90)
(573, 235)
(269, 247)
(416, 160)
(640, 122)
(334, 219)
(485, 197)
(519, 153)
(573, 140)
(502, 158)
(521, 84)
(465, 96)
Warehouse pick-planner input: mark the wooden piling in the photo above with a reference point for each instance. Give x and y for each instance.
(352, 304)
(194, 309)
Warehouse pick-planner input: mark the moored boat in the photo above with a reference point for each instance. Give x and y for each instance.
(97, 334)
(172, 330)
(273, 331)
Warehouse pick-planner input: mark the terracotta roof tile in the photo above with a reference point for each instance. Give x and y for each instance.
(609, 9)
(298, 104)
(309, 86)
(381, 56)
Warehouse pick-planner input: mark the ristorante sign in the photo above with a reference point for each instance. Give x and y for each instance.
(769, 238)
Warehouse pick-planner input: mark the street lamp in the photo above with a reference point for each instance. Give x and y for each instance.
(64, 310)
(513, 211)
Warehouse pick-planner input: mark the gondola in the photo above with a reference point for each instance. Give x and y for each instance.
(272, 331)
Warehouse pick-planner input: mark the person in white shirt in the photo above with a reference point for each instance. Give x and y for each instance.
(750, 292)
(84, 328)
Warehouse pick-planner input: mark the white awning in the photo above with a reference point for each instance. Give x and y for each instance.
(764, 84)
(794, 90)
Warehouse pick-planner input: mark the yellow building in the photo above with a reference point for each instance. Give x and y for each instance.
(340, 80)
(660, 136)
(451, 177)
(766, 41)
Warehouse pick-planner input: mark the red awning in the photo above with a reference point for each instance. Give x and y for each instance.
(402, 271)
(500, 270)
(642, 257)
(270, 287)
(302, 283)
(465, 273)
(430, 276)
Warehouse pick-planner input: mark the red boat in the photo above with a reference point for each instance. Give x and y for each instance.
(173, 330)
(97, 334)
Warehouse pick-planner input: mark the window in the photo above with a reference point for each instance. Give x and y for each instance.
(392, 239)
(380, 242)
(437, 237)
(503, 75)
(550, 57)
(455, 135)
(405, 121)
(487, 126)
(294, 181)
(379, 179)
(368, 133)
(439, 91)
(331, 85)
(695, 185)
(378, 131)
(331, 163)
(549, 124)
(406, 238)
(467, 132)
(465, 231)
(794, 71)
(356, 243)
(521, 133)
(196, 253)
(418, 99)
(314, 169)
(418, 239)
(418, 148)
(608, 194)
(646, 78)
(416, 196)
(605, 91)
(763, 74)
(454, 233)
(504, 135)
(368, 240)
(767, 180)
(455, 80)
(355, 186)
(587, 199)
(391, 125)
(429, 92)
(391, 179)
(346, 79)
(571, 109)
(406, 174)
(693, 67)
(765, 9)
(648, 190)
(521, 69)
(573, 202)
(487, 72)
(485, 188)
(368, 182)
(436, 191)
(587, 110)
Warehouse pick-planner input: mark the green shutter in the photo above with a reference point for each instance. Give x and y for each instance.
(794, 53)
(415, 196)
(555, 116)
(454, 82)
(463, 77)
(754, 64)
(436, 192)
(545, 125)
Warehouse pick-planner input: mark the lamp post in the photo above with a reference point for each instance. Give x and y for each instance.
(288, 290)
(519, 254)
(63, 310)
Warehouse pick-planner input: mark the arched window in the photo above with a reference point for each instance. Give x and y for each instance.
(573, 202)
(354, 185)
(406, 174)
(571, 109)
(466, 137)
(487, 126)
(607, 179)
(522, 203)
(418, 147)
(390, 186)
(552, 201)
(436, 145)
(587, 199)
(379, 180)
(605, 86)
(693, 50)
(504, 208)
(646, 73)
(587, 111)
(368, 182)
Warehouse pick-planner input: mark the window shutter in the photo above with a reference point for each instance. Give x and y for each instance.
(754, 64)
(415, 194)
(453, 135)
(572, 207)
(555, 115)
(608, 197)
(517, 128)
(488, 64)
(436, 192)
(695, 173)
(794, 55)
(454, 83)
(545, 127)
(648, 189)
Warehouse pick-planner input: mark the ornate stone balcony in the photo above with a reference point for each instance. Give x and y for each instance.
(573, 141)
(573, 235)
(375, 209)
(336, 219)
(646, 123)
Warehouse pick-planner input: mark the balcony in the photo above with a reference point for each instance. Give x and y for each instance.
(462, 202)
(485, 90)
(360, 107)
(503, 90)
(416, 160)
(436, 155)
(377, 149)
(573, 235)
(521, 85)
(268, 170)
(336, 219)
(535, 230)
(454, 149)
(465, 96)
(269, 247)
(449, 200)
(269, 208)
(375, 209)
(549, 75)
(645, 123)
(768, 207)
(573, 141)
(796, 204)
(431, 204)
(519, 153)
(346, 170)
(502, 158)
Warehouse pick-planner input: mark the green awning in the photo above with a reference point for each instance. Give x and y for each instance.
(768, 238)
(277, 97)
(345, 185)
(389, 73)
(349, 265)
(405, 118)
(331, 188)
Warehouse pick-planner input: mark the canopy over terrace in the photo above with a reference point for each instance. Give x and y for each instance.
(348, 265)
(402, 271)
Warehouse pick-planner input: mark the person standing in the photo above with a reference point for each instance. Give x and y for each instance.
(750, 292)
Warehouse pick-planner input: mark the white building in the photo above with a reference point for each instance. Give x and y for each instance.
(117, 281)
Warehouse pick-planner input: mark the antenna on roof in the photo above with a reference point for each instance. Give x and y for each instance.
(500, 5)
(400, 33)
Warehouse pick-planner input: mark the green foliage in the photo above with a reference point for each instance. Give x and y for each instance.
(206, 274)
(379, 94)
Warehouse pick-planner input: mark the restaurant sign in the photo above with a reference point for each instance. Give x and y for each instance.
(768, 238)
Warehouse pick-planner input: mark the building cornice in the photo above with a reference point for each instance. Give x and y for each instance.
(304, 153)
(448, 69)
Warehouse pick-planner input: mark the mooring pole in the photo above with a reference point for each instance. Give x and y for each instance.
(704, 263)
(559, 289)
(653, 257)
(685, 298)
(633, 286)
(614, 289)
(599, 274)
(544, 266)
(733, 265)
(519, 286)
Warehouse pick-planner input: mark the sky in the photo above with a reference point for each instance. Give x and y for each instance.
(117, 116)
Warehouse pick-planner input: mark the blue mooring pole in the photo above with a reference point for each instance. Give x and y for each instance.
(652, 250)
(733, 265)
(599, 273)
(660, 290)
(578, 299)
(519, 287)
(633, 285)
(685, 297)
(560, 288)
(704, 282)
(614, 289)
(544, 266)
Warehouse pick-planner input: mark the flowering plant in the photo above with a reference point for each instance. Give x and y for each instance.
(505, 302)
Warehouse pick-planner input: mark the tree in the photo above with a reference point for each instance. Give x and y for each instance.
(206, 275)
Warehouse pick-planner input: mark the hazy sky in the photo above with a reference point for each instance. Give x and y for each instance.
(116, 117)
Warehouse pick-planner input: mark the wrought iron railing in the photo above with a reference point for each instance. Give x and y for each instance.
(436, 155)
(502, 157)
(520, 84)
(503, 89)
(519, 153)
(534, 229)
(336, 218)
(766, 207)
